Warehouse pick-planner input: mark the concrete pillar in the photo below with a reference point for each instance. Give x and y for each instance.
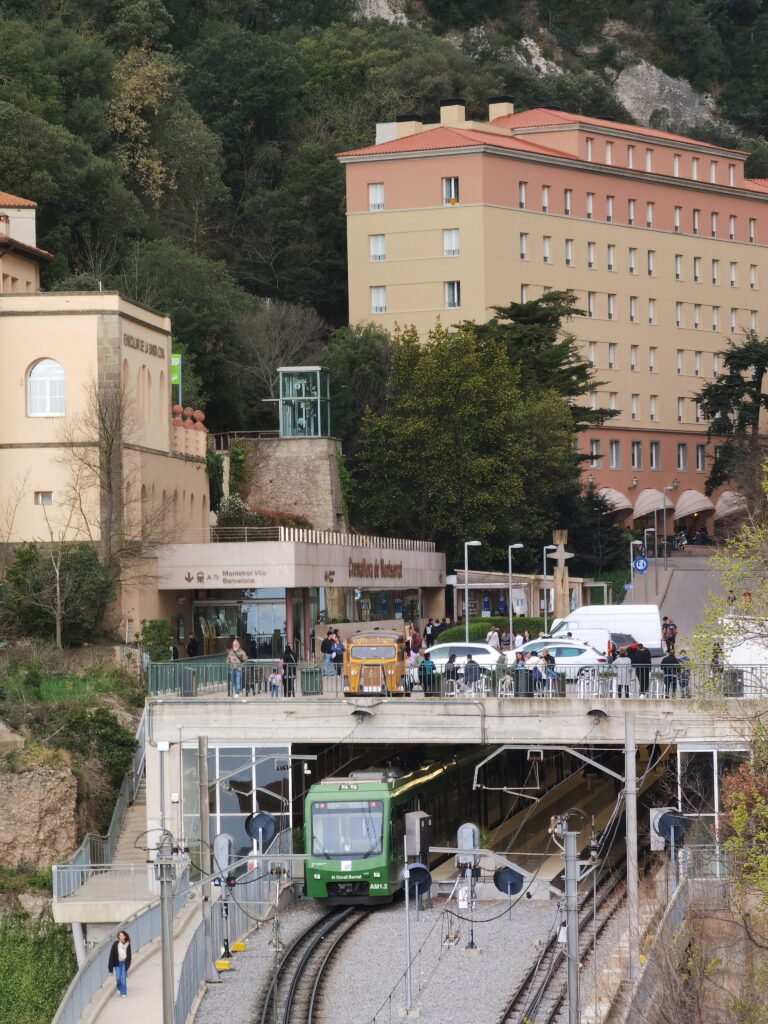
(79, 942)
(289, 615)
(306, 618)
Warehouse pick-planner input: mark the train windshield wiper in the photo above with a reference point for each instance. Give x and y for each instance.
(323, 850)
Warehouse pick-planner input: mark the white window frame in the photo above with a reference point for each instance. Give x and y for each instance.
(633, 350)
(43, 498)
(682, 456)
(376, 196)
(451, 242)
(636, 454)
(654, 455)
(452, 293)
(630, 211)
(611, 305)
(633, 406)
(544, 198)
(614, 454)
(46, 389)
(377, 248)
(701, 458)
(649, 215)
(611, 355)
(451, 190)
(378, 298)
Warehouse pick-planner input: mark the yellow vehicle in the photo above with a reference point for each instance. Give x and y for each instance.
(374, 662)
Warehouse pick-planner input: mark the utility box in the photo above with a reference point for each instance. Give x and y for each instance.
(418, 834)
(188, 682)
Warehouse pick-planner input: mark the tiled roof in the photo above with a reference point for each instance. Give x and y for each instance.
(30, 250)
(6, 199)
(756, 184)
(445, 137)
(541, 117)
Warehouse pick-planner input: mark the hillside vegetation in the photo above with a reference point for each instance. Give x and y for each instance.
(184, 153)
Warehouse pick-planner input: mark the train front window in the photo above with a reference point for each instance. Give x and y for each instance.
(373, 652)
(348, 829)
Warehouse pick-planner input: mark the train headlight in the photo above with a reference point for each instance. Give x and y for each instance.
(377, 874)
(317, 878)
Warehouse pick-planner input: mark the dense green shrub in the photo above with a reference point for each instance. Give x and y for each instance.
(478, 628)
(156, 638)
(36, 966)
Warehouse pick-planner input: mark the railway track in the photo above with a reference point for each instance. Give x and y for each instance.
(294, 995)
(540, 996)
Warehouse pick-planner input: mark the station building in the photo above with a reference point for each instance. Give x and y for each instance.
(662, 239)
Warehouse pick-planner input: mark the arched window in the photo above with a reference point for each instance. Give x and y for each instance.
(46, 393)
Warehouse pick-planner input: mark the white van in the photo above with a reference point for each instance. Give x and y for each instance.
(642, 621)
(597, 638)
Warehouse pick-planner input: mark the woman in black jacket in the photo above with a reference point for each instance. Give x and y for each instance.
(289, 671)
(120, 960)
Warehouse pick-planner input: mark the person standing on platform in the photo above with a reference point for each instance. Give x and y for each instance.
(120, 961)
(326, 649)
(492, 639)
(235, 658)
(642, 663)
(289, 671)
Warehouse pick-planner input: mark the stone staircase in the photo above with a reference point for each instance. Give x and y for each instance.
(132, 841)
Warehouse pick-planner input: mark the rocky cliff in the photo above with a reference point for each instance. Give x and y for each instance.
(37, 817)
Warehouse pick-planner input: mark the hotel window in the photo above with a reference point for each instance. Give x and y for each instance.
(521, 194)
(650, 261)
(753, 319)
(450, 191)
(609, 152)
(567, 196)
(523, 292)
(46, 393)
(636, 448)
(713, 171)
(652, 407)
(678, 267)
(697, 412)
(591, 352)
(752, 276)
(590, 254)
(593, 400)
(589, 149)
(612, 396)
(676, 165)
(715, 364)
(682, 457)
(376, 196)
(697, 268)
(614, 454)
(678, 314)
(731, 174)
(611, 254)
(590, 207)
(611, 306)
(715, 271)
(609, 208)
(651, 311)
(695, 221)
(590, 303)
(715, 318)
(451, 242)
(713, 224)
(452, 294)
(568, 251)
(695, 168)
(678, 211)
(654, 455)
(649, 215)
(632, 308)
(379, 299)
(701, 458)
(733, 320)
(378, 248)
(732, 274)
(652, 359)
(649, 159)
(696, 316)
(680, 410)
(594, 452)
(43, 497)
(544, 198)
(630, 156)
(633, 261)
(611, 355)
(523, 245)
(679, 361)
(546, 247)
(731, 227)
(697, 364)
(633, 406)
(752, 226)
(633, 357)
(630, 211)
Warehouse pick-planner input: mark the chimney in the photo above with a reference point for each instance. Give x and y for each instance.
(386, 131)
(408, 124)
(500, 106)
(452, 110)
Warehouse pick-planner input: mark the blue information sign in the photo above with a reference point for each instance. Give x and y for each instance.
(641, 565)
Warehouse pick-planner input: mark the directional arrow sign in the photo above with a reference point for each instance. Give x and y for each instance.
(641, 565)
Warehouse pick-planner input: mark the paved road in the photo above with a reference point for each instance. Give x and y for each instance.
(688, 592)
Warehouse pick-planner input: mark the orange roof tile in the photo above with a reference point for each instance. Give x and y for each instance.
(445, 137)
(31, 250)
(756, 184)
(542, 117)
(6, 199)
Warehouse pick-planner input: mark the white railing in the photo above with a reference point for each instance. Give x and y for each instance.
(102, 882)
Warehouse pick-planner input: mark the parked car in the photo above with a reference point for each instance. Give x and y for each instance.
(571, 656)
(485, 655)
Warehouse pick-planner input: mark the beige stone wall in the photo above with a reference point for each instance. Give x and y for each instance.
(299, 475)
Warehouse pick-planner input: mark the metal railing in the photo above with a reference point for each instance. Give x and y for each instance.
(102, 882)
(95, 850)
(143, 927)
(197, 677)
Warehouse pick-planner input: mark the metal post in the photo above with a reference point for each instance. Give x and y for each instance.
(571, 854)
(511, 634)
(664, 496)
(545, 549)
(648, 530)
(656, 553)
(165, 872)
(406, 879)
(467, 545)
(211, 975)
(632, 544)
(630, 810)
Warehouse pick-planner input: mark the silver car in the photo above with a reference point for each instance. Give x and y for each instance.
(486, 656)
(571, 656)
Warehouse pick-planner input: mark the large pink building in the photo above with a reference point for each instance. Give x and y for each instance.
(661, 238)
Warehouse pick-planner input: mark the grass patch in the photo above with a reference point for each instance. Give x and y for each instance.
(18, 880)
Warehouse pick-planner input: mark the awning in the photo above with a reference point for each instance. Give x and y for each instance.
(692, 501)
(616, 498)
(729, 503)
(650, 500)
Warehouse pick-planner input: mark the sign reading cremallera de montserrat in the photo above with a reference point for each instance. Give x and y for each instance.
(374, 569)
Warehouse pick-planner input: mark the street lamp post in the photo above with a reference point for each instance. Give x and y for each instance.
(632, 544)
(509, 552)
(664, 493)
(646, 531)
(467, 545)
(545, 549)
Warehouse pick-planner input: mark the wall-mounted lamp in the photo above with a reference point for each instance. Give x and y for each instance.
(634, 482)
(591, 478)
(675, 482)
